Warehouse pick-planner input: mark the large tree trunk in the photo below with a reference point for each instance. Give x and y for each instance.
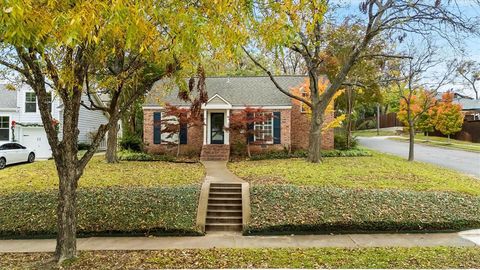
(112, 141)
(315, 136)
(411, 131)
(66, 213)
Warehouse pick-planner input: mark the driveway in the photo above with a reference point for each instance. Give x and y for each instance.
(462, 161)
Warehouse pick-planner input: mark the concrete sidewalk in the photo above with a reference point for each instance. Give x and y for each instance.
(216, 171)
(235, 240)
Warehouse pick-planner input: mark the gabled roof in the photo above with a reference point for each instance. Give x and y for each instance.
(8, 98)
(238, 91)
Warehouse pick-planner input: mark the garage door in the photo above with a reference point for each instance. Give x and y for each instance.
(36, 139)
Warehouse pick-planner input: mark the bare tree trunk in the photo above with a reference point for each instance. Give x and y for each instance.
(315, 136)
(66, 247)
(112, 142)
(248, 150)
(411, 131)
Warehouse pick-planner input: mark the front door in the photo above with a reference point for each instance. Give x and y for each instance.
(216, 128)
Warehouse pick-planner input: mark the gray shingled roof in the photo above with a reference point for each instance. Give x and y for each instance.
(8, 98)
(238, 91)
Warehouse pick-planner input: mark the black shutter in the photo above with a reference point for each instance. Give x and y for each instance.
(250, 127)
(277, 123)
(183, 133)
(157, 127)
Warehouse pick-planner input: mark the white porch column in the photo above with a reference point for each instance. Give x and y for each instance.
(227, 125)
(205, 116)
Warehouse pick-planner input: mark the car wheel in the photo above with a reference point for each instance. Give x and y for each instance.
(31, 157)
(3, 163)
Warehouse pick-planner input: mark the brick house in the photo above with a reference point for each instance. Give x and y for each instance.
(288, 127)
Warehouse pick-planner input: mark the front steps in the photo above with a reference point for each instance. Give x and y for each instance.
(215, 152)
(224, 210)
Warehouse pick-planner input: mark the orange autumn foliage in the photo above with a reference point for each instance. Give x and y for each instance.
(303, 90)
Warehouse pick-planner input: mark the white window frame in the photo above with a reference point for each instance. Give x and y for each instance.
(164, 139)
(261, 126)
(8, 126)
(30, 102)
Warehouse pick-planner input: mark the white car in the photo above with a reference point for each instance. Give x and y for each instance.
(11, 153)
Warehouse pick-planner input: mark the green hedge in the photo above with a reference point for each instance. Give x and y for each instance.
(101, 211)
(128, 155)
(287, 208)
(304, 154)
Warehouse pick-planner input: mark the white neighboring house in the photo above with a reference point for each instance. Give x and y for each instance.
(20, 120)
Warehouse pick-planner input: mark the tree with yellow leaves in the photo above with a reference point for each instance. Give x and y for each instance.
(80, 47)
(303, 27)
(304, 90)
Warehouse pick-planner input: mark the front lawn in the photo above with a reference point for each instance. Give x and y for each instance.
(125, 198)
(379, 171)
(42, 175)
(284, 209)
(351, 194)
(387, 258)
(101, 211)
(442, 142)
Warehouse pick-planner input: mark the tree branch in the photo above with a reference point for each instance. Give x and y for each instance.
(306, 102)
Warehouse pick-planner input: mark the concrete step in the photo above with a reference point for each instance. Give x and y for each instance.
(226, 189)
(225, 200)
(224, 213)
(225, 195)
(215, 152)
(225, 185)
(222, 206)
(223, 220)
(223, 227)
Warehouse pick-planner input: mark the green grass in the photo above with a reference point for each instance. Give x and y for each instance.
(379, 171)
(373, 133)
(442, 142)
(42, 175)
(100, 211)
(428, 257)
(283, 209)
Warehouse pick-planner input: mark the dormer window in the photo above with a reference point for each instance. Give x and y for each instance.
(30, 102)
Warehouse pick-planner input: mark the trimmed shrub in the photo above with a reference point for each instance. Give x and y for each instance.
(340, 142)
(304, 154)
(83, 146)
(131, 142)
(128, 155)
(101, 211)
(285, 209)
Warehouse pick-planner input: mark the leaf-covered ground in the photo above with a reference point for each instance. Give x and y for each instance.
(380, 171)
(147, 210)
(289, 208)
(439, 257)
(42, 175)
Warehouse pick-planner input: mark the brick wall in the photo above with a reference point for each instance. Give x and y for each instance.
(285, 134)
(300, 130)
(194, 138)
(294, 134)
